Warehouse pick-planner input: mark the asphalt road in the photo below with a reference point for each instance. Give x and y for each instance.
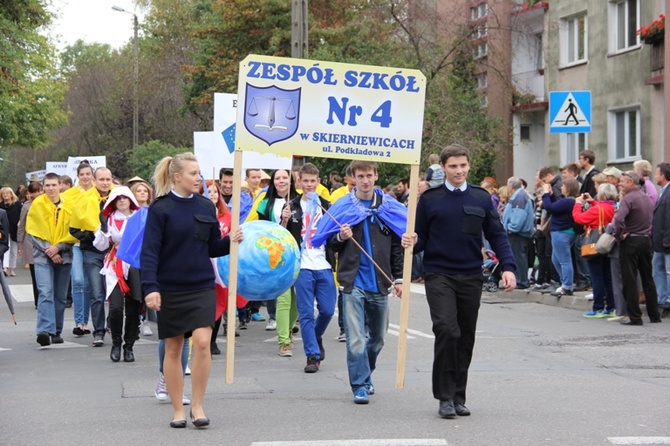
(541, 375)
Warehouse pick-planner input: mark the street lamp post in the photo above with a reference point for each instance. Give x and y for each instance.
(136, 71)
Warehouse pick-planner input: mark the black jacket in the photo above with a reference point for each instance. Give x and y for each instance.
(588, 186)
(386, 252)
(294, 224)
(660, 228)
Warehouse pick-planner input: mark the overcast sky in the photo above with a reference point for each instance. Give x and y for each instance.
(91, 21)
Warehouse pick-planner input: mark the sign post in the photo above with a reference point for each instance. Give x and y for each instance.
(334, 110)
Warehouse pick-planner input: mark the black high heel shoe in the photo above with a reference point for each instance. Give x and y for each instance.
(178, 424)
(198, 422)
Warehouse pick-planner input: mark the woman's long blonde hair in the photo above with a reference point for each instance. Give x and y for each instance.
(166, 168)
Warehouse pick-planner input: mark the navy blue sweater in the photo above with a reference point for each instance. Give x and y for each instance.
(180, 236)
(560, 211)
(449, 226)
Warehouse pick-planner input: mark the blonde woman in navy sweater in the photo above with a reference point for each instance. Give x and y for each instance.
(181, 234)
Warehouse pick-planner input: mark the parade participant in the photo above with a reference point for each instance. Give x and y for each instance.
(47, 225)
(450, 221)
(122, 290)
(33, 190)
(83, 226)
(81, 294)
(364, 228)
(315, 281)
(283, 311)
(10, 203)
(221, 291)
(181, 235)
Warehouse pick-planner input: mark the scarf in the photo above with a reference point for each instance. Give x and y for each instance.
(349, 210)
(49, 222)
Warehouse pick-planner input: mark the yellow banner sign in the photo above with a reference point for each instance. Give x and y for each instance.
(327, 109)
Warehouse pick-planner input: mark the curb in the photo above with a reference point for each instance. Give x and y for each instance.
(576, 302)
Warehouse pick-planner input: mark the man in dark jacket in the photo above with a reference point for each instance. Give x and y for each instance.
(632, 227)
(365, 289)
(660, 239)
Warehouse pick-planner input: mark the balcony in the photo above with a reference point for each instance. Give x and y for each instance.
(657, 63)
(530, 84)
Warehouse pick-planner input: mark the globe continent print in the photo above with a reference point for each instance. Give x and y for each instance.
(268, 261)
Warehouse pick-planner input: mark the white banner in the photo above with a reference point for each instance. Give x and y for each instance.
(73, 163)
(57, 167)
(215, 149)
(35, 175)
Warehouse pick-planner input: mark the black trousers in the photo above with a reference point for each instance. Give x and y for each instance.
(454, 307)
(635, 256)
(132, 304)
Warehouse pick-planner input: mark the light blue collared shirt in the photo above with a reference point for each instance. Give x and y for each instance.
(180, 196)
(452, 188)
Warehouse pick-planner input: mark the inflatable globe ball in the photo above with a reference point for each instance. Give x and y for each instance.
(268, 261)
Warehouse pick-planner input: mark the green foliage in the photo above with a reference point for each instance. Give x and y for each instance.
(144, 158)
(30, 92)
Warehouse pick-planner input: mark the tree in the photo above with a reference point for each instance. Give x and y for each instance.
(31, 93)
(144, 158)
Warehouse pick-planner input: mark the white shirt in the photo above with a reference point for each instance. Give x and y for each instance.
(311, 258)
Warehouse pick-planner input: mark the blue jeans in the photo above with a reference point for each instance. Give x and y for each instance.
(362, 308)
(52, 284)
(81, 295)
(601, 281)
(184, 354)
(95, 283)
(561, 245)
(661, 269)
(311, 285)
(519, 246)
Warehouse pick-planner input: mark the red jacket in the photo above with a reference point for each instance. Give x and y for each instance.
(589, 218)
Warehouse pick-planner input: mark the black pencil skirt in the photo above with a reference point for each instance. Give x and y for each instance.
(184, 311)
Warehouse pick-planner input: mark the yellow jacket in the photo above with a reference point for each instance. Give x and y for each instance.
(50, 223)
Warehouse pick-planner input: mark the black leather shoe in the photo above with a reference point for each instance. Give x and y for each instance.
(214, 349)
(461, 410)
(655, 321)
(43, 338)
(199, 422)
(57, 339)
(178, 424)
(447, 409)
(115, 354)
(629, 322)
(128, 355)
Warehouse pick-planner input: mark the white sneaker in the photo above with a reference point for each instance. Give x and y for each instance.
(272, 325)
(185, 401)
(146, 329)
(589, 296)
(187, 371)
(161, 392)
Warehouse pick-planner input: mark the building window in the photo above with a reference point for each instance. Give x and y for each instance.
(574, 38)
(624, 134)
(482, 80)
(571, 145)
(480, 50)
(479, 11)
(624, 18)
(484, 101)
(481, 31)
(524, 133)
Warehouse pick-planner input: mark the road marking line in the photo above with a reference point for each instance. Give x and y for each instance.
(276, 339)
(397, 333)
(371, 442)
(414, 332)
(5, 349)
(66, 344)
(639, 440)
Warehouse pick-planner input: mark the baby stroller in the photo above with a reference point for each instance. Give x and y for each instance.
(491, 272)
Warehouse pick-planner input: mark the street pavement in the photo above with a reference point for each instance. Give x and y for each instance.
(541, 375)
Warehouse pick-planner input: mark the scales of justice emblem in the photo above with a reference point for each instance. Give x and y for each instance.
(271, 114)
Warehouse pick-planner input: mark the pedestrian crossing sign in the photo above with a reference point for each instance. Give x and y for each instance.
(569, 112)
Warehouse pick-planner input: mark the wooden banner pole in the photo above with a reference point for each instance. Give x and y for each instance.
(406, 279)
(232, 279)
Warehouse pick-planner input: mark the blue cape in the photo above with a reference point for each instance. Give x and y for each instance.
(349, 210)
(130, 246)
